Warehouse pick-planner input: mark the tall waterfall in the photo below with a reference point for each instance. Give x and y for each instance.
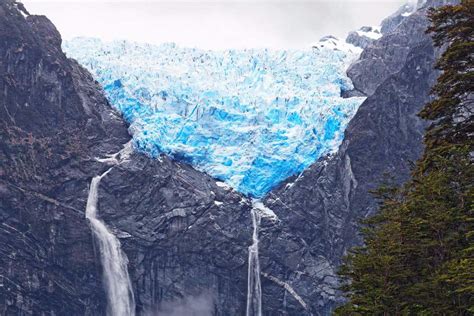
(120, 299)
(254, 287)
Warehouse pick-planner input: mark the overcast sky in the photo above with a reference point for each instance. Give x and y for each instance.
(214, 24)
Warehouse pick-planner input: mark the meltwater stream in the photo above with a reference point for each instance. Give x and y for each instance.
(254, 286)
(120, 299)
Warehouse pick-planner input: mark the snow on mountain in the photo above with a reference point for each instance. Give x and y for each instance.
(364, 36)
(250, 118)
(370, 32)
(333, 43)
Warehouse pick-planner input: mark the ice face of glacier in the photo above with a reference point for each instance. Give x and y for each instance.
(250, 118)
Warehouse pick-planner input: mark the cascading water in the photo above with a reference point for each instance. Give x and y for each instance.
(121, 301)
(254, 286)
(250, 118)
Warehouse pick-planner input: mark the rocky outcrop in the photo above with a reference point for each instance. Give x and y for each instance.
(186, 237)
(388, 55)
(53, 122)
(322, 207)
(390, 23)
(362, 38)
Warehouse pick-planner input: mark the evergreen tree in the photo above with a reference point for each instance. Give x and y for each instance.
(418, 256)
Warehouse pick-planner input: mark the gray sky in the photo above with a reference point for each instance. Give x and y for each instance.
(214, 24)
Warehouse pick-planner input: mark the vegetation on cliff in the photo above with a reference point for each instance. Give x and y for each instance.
(418, 257)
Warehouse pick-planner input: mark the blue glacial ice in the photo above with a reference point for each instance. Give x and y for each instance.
(250, 118)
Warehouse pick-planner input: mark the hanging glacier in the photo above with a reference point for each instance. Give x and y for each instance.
(250, 118)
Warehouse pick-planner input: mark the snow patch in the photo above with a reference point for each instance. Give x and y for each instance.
(263, 210)
(21, 8)
(121, 156)
(372, 32)
(336, 44)
(223, 185)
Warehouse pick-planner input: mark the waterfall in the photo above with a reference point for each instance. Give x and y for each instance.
(254, 287)
(114, 262)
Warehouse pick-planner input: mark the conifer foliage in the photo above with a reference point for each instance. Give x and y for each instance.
(418, 256)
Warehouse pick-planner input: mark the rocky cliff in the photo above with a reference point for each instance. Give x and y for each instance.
(322, 207)
(185, 235)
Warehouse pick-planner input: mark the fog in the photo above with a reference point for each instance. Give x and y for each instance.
(214, 24)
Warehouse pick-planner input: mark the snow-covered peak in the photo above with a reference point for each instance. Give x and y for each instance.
(21, 8)
(391, 22)
(364, 36)
(372, 32)
(250, 118)
(333, 43)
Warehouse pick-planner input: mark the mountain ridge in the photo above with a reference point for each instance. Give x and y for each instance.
(186, 236)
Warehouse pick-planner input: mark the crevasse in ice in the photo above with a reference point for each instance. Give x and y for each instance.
(250, 118)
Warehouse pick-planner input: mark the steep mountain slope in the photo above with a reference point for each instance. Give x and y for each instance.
(322, 207)
(53, 121)
(184, 234)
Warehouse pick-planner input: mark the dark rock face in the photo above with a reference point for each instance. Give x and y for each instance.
(359, 40)
(321, 208)
(186, 238)
(390, 23)
(185, 235)
(53, 119)
(388, 55)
